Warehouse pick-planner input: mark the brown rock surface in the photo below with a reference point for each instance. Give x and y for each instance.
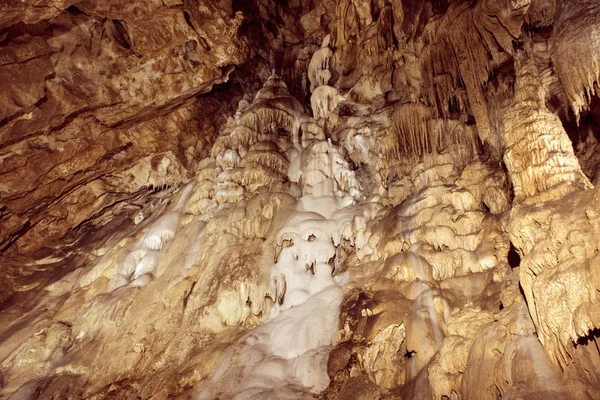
(304, 199)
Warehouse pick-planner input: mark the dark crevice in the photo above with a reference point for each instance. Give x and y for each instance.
(497, 392)
(5, 121)
(588, 125)
(121, 36)
(331, 263)
(440, 6)
(514, 259)
(522, 292)
(187, 294)
(203, 43)
(591, 339)
(188, 20)
(74, 10)
(542, 32)
(485, 207)
(14, 236)
(510, 187)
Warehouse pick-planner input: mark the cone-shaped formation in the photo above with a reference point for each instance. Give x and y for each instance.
(539, 154)
(575, 53)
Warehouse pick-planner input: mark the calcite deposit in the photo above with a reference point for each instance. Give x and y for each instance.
(262, 199)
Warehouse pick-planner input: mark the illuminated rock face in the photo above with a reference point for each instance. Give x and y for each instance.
(289, 200)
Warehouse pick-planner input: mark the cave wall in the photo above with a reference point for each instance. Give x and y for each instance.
(350, 199)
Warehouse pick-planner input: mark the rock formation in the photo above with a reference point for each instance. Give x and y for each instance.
(355, 199)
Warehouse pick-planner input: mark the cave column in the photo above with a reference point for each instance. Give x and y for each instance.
(547, 177)
(539, 154)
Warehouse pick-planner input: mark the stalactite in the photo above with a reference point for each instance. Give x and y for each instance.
(418, 133)
(370, 244)
(575, 53)
(459, 46)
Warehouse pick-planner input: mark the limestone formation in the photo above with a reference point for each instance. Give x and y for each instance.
(350, 199)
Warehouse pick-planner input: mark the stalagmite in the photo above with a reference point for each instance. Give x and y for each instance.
(539, 154)
(301, 282)
(324, 100)
(318, 69)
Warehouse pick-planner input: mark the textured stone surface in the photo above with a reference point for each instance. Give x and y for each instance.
(337, 199)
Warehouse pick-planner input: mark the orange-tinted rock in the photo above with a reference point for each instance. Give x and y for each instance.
(168, 202)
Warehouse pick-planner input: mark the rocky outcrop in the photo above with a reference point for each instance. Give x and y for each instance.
(101, 108)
